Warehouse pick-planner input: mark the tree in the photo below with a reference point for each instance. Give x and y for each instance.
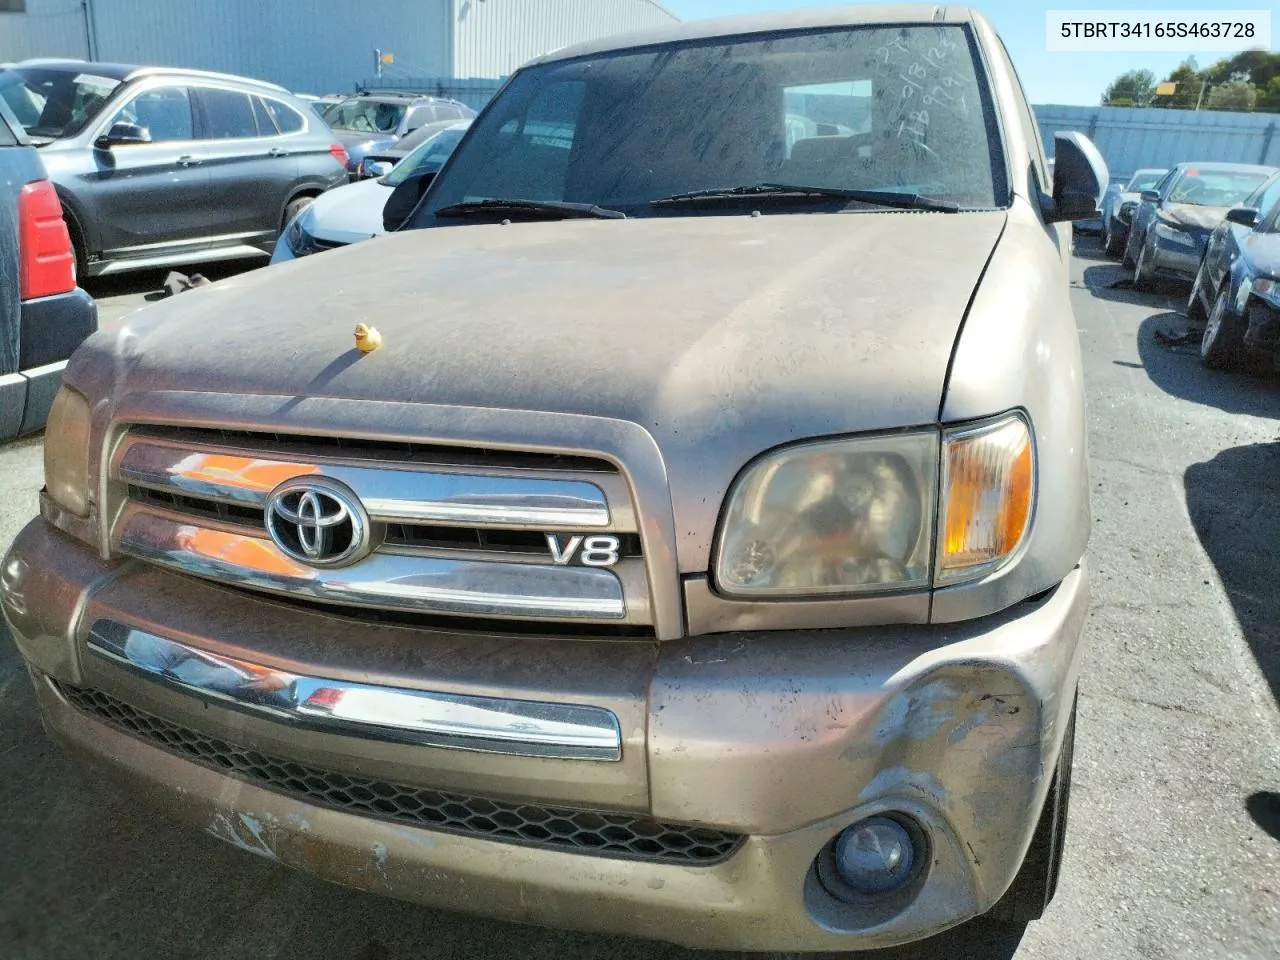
(1269, 96)
(1136, 88)
(1236, 95)
(1187, 94)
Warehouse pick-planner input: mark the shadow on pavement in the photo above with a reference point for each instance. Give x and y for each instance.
(1234, 503)
(1176, 369)
(142, 282)
(1264, 807)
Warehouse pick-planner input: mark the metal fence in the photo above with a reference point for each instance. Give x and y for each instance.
(1131, 138)
(474, 92)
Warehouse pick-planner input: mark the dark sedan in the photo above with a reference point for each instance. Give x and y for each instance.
(1236, 295)
(1172, 225)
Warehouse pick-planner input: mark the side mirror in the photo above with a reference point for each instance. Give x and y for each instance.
(1245, 216)
(404, 200)
(123, 133)
(1150, 196)
(374, 168)
(1079, 173)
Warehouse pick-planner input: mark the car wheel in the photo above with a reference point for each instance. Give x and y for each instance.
(1222, 346)
(1037, 880)
(1113, 244)
(294, 207)
(1142, 274)
(1127, 260)
(1196, 315)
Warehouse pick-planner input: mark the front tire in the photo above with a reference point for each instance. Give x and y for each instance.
(1113, 244)
(1143, 278)
(1222, 346)
(1037, 880)
(1197, 316)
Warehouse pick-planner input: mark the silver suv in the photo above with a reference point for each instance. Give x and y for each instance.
(158, 167)
(695, 550)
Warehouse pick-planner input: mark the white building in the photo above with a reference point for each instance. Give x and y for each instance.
(319, 47)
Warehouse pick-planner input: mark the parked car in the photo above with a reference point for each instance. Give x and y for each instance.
(374, 121)
(380, 162)
(696, 550)
(1119, 203)
(44, 316)
(1235, 300)
(158, 166)
(355, 212)
(1174, 218)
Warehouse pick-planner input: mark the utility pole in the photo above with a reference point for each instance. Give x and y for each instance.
(1203, 84)
(377, 63)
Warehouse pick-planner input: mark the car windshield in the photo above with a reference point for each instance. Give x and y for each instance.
(895, 110)
(1215, 188)
(365, 116)
(1144, 181)
(428, 157)
(54, 103)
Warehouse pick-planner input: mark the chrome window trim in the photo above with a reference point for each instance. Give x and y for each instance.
(454, 721)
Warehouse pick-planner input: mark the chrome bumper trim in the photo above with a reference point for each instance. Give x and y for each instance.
(395, 495)
(481, 724)
(388, 581)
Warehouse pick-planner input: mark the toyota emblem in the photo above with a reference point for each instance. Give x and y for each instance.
(318, 521)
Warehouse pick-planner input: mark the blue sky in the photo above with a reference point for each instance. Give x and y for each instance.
(1076, 78)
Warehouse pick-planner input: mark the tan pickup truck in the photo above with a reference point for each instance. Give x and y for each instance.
(695, 551)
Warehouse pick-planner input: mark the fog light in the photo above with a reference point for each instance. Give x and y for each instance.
(875, 855)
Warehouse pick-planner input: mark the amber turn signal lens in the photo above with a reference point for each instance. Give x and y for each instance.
(988, 487)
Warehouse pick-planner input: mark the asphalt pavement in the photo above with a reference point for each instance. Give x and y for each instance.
(1173, 847)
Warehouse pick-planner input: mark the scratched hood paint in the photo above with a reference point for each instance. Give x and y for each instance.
(723, 336)
(1195, 216)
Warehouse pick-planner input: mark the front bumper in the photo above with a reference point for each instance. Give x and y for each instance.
(783, 738)
(1179, 259)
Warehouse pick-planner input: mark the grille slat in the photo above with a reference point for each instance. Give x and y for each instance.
(379, 451)
(590, 832)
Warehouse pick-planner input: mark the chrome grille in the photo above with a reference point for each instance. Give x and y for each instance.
(580, 831)
(458, 532)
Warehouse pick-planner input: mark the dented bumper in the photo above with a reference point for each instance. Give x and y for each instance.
(781, 739)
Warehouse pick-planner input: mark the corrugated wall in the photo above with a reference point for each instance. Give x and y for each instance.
(326, 47)
(1130, 138)
(49, 28)
(493, 37)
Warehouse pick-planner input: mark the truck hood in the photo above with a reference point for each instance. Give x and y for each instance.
(722, 336)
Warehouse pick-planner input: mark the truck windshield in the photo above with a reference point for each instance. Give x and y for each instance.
(887, 109)
(54, 103)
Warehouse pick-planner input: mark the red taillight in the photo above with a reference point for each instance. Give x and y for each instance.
(339, 153)
(46, 262)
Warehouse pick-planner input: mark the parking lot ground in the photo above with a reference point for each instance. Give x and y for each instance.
(1173, 846)
(122, 294)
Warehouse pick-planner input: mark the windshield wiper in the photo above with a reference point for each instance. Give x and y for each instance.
(550, 209)
(882, 198)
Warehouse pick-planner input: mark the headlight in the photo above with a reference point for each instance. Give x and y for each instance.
(66, 452)
(298, 237)
(1266, 288)
(1166, 232)
(856, 516)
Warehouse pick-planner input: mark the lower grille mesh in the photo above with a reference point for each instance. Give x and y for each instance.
(582, 831)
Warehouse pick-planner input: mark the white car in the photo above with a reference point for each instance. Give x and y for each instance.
(353, 213)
